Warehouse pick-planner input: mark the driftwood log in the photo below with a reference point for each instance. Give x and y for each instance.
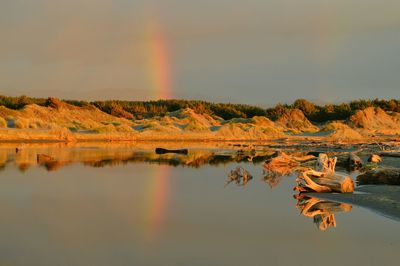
(380, 177)
(283, 164)
(164, 151)
(374, 158)
(355, 161)
(44, 158)
(324, 178)
(389, 154)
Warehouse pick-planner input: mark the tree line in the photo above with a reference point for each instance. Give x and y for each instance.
(148, 109)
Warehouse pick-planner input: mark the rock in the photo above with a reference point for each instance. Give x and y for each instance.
(374, 158)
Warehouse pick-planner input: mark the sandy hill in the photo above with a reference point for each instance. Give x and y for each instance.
(340, 131)
(184, 120)
(250, 128)
(186, 123)
(296, 122)
(375, 120)
(62, 121)
(62, 115)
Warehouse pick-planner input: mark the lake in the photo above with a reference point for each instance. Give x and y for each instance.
(124, 205)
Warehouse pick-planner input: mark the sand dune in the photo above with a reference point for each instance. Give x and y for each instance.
(61, 121)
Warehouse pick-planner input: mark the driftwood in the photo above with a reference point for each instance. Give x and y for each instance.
(324, 179)
(380, 177)
(44, 158)
(374, 158)
(285, 164)
(164, 151)
(240, 176)
(355, 161)
(322, 211)
(389, 154)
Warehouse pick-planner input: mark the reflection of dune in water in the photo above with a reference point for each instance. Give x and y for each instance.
(58, 156)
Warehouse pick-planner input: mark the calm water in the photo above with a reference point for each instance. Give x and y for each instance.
(138, 212)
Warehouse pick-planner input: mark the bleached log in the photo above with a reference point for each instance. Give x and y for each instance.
(285, 164)
(324, 180)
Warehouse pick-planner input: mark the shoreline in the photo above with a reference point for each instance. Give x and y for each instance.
(23, 136)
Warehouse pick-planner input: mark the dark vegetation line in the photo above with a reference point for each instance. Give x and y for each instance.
(148, 109)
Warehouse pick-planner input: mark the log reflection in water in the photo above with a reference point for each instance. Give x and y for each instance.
(240, 176)
(272, 179)
(322, 211)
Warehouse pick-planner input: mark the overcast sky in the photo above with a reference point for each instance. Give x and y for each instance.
(254, 51)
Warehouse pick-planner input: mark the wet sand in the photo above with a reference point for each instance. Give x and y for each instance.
(381, 199)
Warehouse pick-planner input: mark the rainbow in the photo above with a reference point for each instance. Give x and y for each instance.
(158, 61)
(157, 194)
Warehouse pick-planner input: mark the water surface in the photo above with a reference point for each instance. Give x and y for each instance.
(101, 206)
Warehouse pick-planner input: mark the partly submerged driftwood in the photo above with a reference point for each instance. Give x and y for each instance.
(324, 179)
(284, 164)
(374, 158)
(388, 176)
(44, 158)
(355, 161)
(164, 151)
(390, 154)
(281, 165)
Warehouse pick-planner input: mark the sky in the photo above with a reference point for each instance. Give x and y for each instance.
(256, 51)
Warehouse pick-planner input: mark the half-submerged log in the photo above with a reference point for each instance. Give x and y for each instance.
(324, 179)
(165, 151)
(390, 154)
(380, 177)
(285, 164)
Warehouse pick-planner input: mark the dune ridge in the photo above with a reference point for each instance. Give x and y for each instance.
(60, 121)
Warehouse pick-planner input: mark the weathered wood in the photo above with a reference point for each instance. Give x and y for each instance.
(325, 164)
(284, 164)
(389, 154)
(44, 158)
(325, 179)
(380, 176)
(374, 158)
(164, 151)
(355, 161)
(313, 181)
